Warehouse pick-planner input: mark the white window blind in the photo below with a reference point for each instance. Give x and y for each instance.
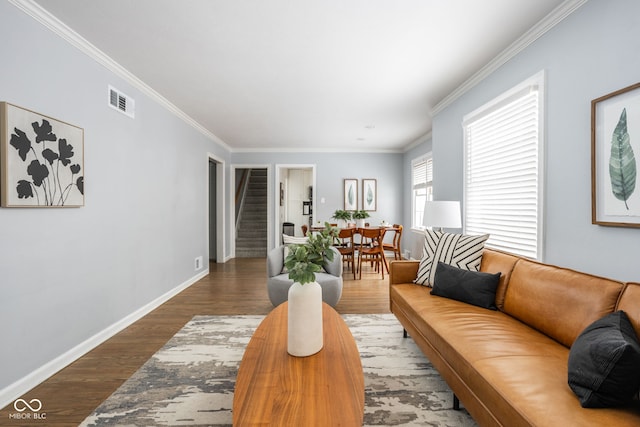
(503, 171)
(422, 185)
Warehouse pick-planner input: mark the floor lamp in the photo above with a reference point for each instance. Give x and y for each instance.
(441, 214)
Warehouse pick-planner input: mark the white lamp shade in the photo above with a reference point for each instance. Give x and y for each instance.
(442, 214)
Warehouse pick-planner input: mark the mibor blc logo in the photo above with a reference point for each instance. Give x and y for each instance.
(28, 410)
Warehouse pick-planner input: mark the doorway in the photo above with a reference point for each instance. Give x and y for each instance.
(250, 210)
(295, 199)
(215, 195)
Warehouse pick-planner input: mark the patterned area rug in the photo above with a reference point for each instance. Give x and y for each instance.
(190, 381)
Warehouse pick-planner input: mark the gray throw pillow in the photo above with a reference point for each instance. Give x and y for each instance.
(604, 363)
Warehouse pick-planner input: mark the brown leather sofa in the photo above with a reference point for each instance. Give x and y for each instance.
(509, 367)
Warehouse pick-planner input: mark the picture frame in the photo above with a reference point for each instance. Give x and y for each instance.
(350, 194)
(615, 147)
(369, 194)
(41, 160)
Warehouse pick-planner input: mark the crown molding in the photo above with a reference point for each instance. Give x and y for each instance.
(316, 150)
(424, 138)
(59, 28)
(547, 23)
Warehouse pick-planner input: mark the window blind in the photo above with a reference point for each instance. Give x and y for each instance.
(422, 184)
(502, 173)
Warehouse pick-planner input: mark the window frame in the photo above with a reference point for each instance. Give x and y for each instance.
(518, 92)
(427, 159)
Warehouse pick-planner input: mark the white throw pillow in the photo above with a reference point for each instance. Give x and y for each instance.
(287, 240)
(291, 240)
(458, 250)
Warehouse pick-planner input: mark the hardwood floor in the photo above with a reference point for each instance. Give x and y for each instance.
(236, 287)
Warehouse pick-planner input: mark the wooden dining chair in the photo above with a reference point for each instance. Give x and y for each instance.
(394, 245)
(371, 249)
(347, 248)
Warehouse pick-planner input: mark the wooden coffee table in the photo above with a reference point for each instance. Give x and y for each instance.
(274, 388)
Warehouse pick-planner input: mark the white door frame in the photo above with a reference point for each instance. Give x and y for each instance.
(220, 197)
(276, 201)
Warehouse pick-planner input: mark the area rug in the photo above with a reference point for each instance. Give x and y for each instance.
(190, 381)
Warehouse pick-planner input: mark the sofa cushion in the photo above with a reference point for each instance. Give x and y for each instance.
(604, 363)
(472, 287)
(459, 250)
(558, 302)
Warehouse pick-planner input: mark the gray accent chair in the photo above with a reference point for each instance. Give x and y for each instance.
(278, 283)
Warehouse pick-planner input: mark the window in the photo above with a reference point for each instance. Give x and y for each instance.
(422, 186)
(503, 178)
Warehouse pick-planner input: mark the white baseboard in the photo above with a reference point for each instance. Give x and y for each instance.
(23, 385)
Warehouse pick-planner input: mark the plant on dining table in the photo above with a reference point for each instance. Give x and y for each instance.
(342, 214)
(306, 259)
(361, 214)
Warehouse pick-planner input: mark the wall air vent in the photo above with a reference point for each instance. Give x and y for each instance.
(121, 102)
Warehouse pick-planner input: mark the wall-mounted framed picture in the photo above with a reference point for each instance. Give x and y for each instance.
(42, 160)
(615, 144)
(350, 194)
(369, 194)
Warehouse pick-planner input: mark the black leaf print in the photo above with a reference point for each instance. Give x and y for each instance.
(43, 132)
(21, 143)
(24, 189)
(80, 184)
(66, 151)
(50, 155)
(38, 172)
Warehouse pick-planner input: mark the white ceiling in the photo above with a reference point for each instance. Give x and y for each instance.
(300, 74)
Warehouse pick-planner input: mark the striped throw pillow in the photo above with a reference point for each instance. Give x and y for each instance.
(458, 250)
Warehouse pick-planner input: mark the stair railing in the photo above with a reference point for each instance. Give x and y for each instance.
(241, 193)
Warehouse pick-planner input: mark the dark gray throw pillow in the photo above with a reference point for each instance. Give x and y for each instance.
(473, 287)
(604, 363)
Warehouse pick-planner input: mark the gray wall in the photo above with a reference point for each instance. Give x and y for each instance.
(591, 53)
(67, 274)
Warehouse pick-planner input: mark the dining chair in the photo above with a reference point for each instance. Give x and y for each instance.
(371, 249)
(347, 248)
(394, 245)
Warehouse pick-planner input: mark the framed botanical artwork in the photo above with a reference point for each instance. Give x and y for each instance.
(350, 194)
(369, 194)
(615, 142)
(42, 160)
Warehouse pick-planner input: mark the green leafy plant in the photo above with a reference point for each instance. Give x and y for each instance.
(360, 214)
(342, 214)
(306, 259)
(622, 163)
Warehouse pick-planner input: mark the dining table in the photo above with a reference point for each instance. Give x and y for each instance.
(358, 230)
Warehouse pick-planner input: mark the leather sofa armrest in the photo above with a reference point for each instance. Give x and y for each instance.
(404, 271)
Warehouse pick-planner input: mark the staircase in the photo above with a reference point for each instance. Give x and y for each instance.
(251, 229)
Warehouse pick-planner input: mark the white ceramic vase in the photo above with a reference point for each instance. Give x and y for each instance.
(342, 223)
(360, 222)
(304, 334)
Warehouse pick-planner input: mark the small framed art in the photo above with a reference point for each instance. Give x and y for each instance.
(350, 194)
(369, 194)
